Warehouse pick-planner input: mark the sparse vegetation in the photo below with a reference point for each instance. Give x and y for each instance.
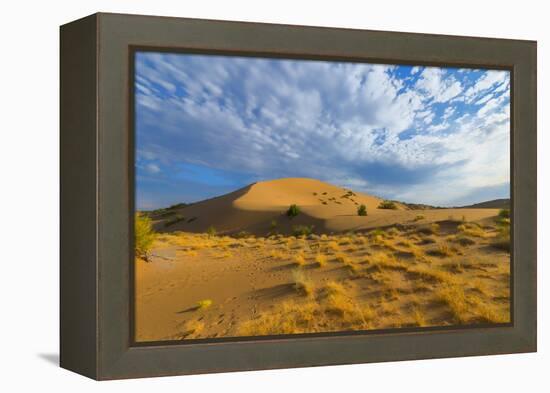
(293, 211)
(405, 273)
(302, 230)
(211, 231)
(144, 236)
(504, 213)
(387, 205)
(362, 210)
(502, 240)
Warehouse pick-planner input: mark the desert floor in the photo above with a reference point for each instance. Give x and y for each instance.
(436, 268)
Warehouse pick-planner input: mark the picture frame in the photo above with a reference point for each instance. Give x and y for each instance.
(97, 201)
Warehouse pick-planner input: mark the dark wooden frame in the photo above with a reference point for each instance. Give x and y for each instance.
(97, 195)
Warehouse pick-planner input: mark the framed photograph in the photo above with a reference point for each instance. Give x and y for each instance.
(241, 196)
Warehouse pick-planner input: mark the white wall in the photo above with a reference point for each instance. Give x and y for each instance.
(29, 193)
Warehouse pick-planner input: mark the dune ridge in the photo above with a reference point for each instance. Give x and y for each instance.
(260, 208)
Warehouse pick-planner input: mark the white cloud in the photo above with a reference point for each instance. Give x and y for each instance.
(152, 168)
(435, 85)
(487, 81)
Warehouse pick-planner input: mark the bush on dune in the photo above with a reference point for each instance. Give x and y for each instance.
(302, 230)
(144, 236)
(504, 213)
(387, 205)
(362, 210)
(293, 211)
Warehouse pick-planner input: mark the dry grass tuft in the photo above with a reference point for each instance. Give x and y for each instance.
(224, 254)
(419, 318)
(302, 284)
(385, 261)
(471, 229)
(289, 318)
(188, 253)
(343, 258)
(204, 304)
(192, 329)
(442, 250)
(333, 288)
(277, 254)
(321, 259)
(454, 298)
(432, 274)
(332, 245)
(300, 260)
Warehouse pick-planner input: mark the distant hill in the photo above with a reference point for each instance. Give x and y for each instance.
(493, 204)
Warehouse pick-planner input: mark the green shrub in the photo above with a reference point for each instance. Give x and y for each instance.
(504, 213)
(144, 235)
(387, 205)
(302, 230)
(211, 231)
(362, 210)
(293, 211)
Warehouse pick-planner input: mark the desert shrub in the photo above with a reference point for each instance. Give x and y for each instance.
(333, 288)
(387, 205)
(472, 229)
(202, 304)
(144, 236)
(174, 220)
(502, 240)
(211, 231)
(393, 231)
(442, 250)
(362, 210)
(419, 217)
(377, 232)
(504, 213)
(453, 296)
(302, 230)
(293, 211)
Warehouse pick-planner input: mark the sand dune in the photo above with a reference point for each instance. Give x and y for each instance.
(389, 269)
(260, 209)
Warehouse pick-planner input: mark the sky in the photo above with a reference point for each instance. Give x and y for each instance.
(207, 125)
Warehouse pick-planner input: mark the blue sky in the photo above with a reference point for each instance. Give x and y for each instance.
(207, 125)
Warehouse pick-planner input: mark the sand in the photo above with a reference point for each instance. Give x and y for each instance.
(390, 269)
